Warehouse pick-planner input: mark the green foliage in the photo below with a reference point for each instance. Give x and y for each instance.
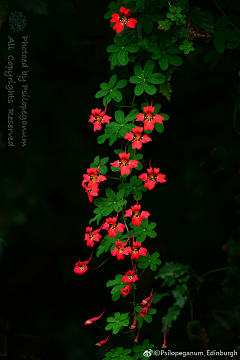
(134, 187)
(2, 240)
(118, 285)
(96, 162)
(145, 79)
(120, 50)
(149, 260)
(144, 230)
(110, 91)
(187, 46)
(140, 349)
(118, 354)
(117, 322)
(119, 128)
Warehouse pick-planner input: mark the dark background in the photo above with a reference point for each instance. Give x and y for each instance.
(44, 209)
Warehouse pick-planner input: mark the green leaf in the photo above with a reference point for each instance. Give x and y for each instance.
(120, 84)
(159, 127)
(138, 71)
(113, 5)
(163, 62)
(228, 34)
(119, 116)
(123, 57)
(112, 81)
(110, 194)
(218, 41)
(112, 139)
(135, 80)
(172, 314)
(120, 195)
(116, 95)
(107, 99)
(178, 295)
(147, 24)
(150, 89)
(101, 93)
(113, 48)
(223, 21)
(166, 89)
(139, 89)
(132, 48)
(175, 60)
(104, 86)
(156, 78)
(170, 269)
(148, 68)
(101, 139)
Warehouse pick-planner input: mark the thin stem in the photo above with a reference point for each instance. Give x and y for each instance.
(111, 177)
(101, 264)
(99, 327)
(133, 100)
(191, 306)
(214, 270)
(146, 98)
(195, 276)
(224, 14)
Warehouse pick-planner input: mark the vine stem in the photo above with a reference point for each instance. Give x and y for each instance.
(99, 327)
(224, 14)
(101, 264)
(191, 306)
(214, 270)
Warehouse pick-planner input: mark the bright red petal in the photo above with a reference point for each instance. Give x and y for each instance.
(161, 178)
(143, 176)
(146, 138)
(97, 126)
(131, 23)
(129, 136)
(115, 163)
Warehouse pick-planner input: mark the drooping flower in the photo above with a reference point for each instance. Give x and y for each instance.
(137, 138)
(124, 164)
(129, 277)
(91, 189)
(137, 250)
(100, 343)
(92, 236)
(145, 309)
(81, 266)
(164, 345)
(98, 118)
(145, 301)
(134, 324)
(93, 175)
(122, 20)
(121, 250)
(152, 178)
(126, 290)
(136, 214)
(112, 226)
(148, 118)
(90, 321)
(136, 339)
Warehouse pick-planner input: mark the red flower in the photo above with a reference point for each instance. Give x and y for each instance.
(124, 163)
(98, 118)
(134, 325)
(90, 321)
(126, 290)
(164, 345)
(145, 301)
(136, 339)
(152, 178)
(90, 236)
(91, 189)
(137, 250)
(122, 20)
(81, 266)
(102, 342)
(120, 250)
(93, 175)
(145, 309)
(148, 118)
(137, 137)
(129, 277)
(136, 214)
(112, 227)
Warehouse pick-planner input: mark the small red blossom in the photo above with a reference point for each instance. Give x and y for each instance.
(91, 189)
(164, 345)
(134, 325)
(98, 118)
(145, 301)
(121, 250)
(81, 266)
(93, 175)
(90, 321)
(136, 214)
(102, 342)
(122, 20)
(112, 226)
(145, 309)
(126, 290)
(148, 118)
(152, 178)
(137, 138)
(129, 277)
(137, 250)
(92, 236)
(136, 339)
(124, 164)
